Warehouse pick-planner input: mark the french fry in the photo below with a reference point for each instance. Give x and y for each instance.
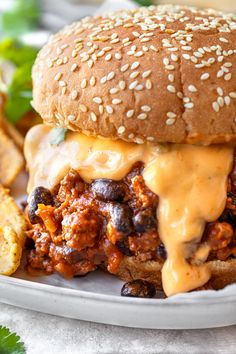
(11, 160)
(13, 225)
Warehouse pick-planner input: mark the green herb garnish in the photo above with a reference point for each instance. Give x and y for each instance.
(144, 2)
(21, 18)
(58, 136)
(19, 91)
(10, 343)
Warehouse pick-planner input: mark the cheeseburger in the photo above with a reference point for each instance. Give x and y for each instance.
(134, 169)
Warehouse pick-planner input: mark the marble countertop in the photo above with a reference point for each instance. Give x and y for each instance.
(55, 335)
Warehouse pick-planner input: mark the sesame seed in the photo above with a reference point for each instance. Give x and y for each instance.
(232, 94)
(224, 40)
(139, 87)
(131, 136)
(139, 54)
(133, 84)
(142, 116)
(93, 116)
(62, 83)
(101, 109)
(121, 129)
(186, 56)
(148, 84)
(215, 106)
(189, 105)
(135, 65)
(92, 81)
(136, 34)
(150, 138)
(227, 100)
(71, 118)
(171, 77)
(146, 73)
(116, 40)
(83, 83)
(205, 76)
(103, 80)
(130, 113)
(134, 74)
(59, 61)
(109, 109)
(116, 101)
(220, 73)
(74, 67)
(58, 76)
(166, 61)
(97, 100)
(192, 88)
(146, 108)
(110, 76)
(170, 121)
(139, 141)
(169, 67)
(118, 56)
(74, 94)
(83, 108)
(113, 90)
(228, 77)
(220, 91)
(171, 115)
(124, 68)
(220, 101)
(108, 57)
(171, 88)
(174, 57)
(122, 85)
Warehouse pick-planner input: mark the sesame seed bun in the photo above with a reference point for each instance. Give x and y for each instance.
(157, 74)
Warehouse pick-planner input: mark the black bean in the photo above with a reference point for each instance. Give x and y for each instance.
(161, 252)
(229, 217)
(121, 218)
(138, 288)
(40, 195)
(108, 190)
(123, 248)
(144, 220)
(71, 255)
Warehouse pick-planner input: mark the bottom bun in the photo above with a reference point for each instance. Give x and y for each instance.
(223, 272)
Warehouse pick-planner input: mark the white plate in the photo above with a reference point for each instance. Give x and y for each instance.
(96, 297)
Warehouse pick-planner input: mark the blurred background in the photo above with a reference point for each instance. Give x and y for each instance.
(25, 26)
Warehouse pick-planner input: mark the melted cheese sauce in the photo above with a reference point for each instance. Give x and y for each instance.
(191, 182)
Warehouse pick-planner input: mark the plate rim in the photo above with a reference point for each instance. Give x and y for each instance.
(182, 299)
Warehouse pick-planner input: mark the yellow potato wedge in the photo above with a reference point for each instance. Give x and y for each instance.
(10, 251)
(13, 133)
(13, 225)
(11, 160)
(11, 215)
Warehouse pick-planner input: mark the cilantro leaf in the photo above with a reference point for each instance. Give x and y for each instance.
(58, 136)
(10, 343)
(144, 2)
(21, 18)
(19, 92)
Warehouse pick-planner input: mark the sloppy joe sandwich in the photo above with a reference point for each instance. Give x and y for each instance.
(134, 169)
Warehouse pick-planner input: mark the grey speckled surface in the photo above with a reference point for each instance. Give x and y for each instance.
(44, 334)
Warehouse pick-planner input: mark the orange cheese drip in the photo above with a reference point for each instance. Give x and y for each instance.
(190, 181)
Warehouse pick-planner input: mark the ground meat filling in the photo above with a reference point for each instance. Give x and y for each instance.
(97, 224)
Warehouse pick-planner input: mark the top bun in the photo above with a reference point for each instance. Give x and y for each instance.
(157, 74)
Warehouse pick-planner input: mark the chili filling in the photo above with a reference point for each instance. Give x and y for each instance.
(79, 226)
